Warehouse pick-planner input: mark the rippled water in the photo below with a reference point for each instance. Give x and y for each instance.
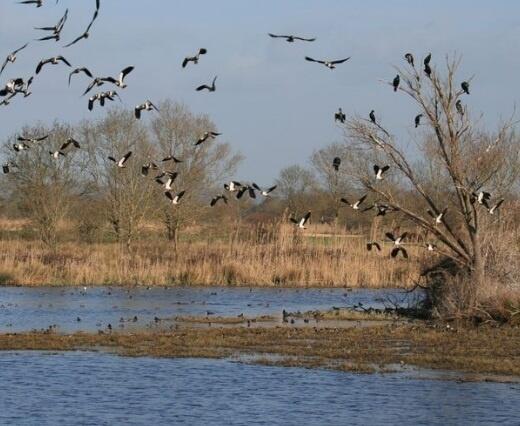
(99, 388)
(23, 309)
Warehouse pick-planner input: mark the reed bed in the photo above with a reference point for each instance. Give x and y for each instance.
(264, 256)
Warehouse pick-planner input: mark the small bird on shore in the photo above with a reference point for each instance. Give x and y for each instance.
(291, 38)
(121, 162)
(329, 64)
(340, 116)
(194, 59)
(209, 88)
(301, 223)
(379, 171)
(356, 205)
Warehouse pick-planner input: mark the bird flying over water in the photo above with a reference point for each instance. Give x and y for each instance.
(291, 38)
(329, 64)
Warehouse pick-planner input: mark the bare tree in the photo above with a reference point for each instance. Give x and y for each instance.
(174, 133)
(459, 160)
(295, 184)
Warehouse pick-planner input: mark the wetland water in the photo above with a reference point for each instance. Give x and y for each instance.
(99, 388)
(25, 309)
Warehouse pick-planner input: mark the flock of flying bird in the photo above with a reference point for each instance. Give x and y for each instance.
(167, 178)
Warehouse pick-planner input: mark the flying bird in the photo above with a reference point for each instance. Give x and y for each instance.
(12, 87)
(31, 140)
(264, 192)
(216, 199)
(375, 244)
(211, 88)
(242, 190)
(396, 82)
(145, 168)
(438, 216)
(340, 116)
(379, 171)
(120, 80)
(336, 162)
(232, 186)
(171, 158)
(146, 106)
(175, 199)
(482, 197)
(86, 33)
(56, 29)
(356, 205)
(53, 61)
(409, 59)
(79, 70)
(121, 163)
(194, 59)
(291, 38)
(418, 120)
(397, 244)
(12, 57)
(494, 208)
(465, 87)
(329, 64)
(37, 3)
(301, 223)
(206, 136)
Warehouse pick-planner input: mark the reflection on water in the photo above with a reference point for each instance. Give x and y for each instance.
(73, 309)
(99, 388)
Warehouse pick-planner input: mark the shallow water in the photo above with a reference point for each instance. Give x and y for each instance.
(99, 388)
(23, 309)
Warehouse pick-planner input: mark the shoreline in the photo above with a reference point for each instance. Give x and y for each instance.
(364, 348)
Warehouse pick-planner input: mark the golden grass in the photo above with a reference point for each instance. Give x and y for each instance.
(477, 350)
(275, 257)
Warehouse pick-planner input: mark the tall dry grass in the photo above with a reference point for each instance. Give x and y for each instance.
(274, 255)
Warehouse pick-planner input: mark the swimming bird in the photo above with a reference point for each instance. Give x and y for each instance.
(397, 244)
(11, 58)
(459, 107)
(86, 33)
(206, 136)
(336, 162)
(194, 59)
(53, 61)
(120, 80)
(232, 186)
(175, 199)
(171, 158)
(409, 59)
(340, 116)
(301, 223)
(291, 38)
(418, 120)
(372, 116)
(438, 216)
(146, 106)
(79, 70)
(379, 171)
(356, 204)
(264, 192)
(465, 87)
(121, 163)
(396, 82)
(211, 88)
(329, 64)
(375, 244)
(216, 199)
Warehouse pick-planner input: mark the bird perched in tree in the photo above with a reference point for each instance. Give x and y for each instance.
(409, 59)
(372, 116)
(460, 108)
(465, 87)
(340, 116)
(396, 82)
(194, 59)
(336, 162)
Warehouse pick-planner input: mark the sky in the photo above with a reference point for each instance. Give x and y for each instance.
(270, 104)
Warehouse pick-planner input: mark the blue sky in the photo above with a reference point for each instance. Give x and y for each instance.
(270, 104)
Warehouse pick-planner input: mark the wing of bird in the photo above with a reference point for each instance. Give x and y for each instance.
(61, 58)
(304, 39)
(308, 58)
(340, 61)
(125, 72)
(390, 236)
